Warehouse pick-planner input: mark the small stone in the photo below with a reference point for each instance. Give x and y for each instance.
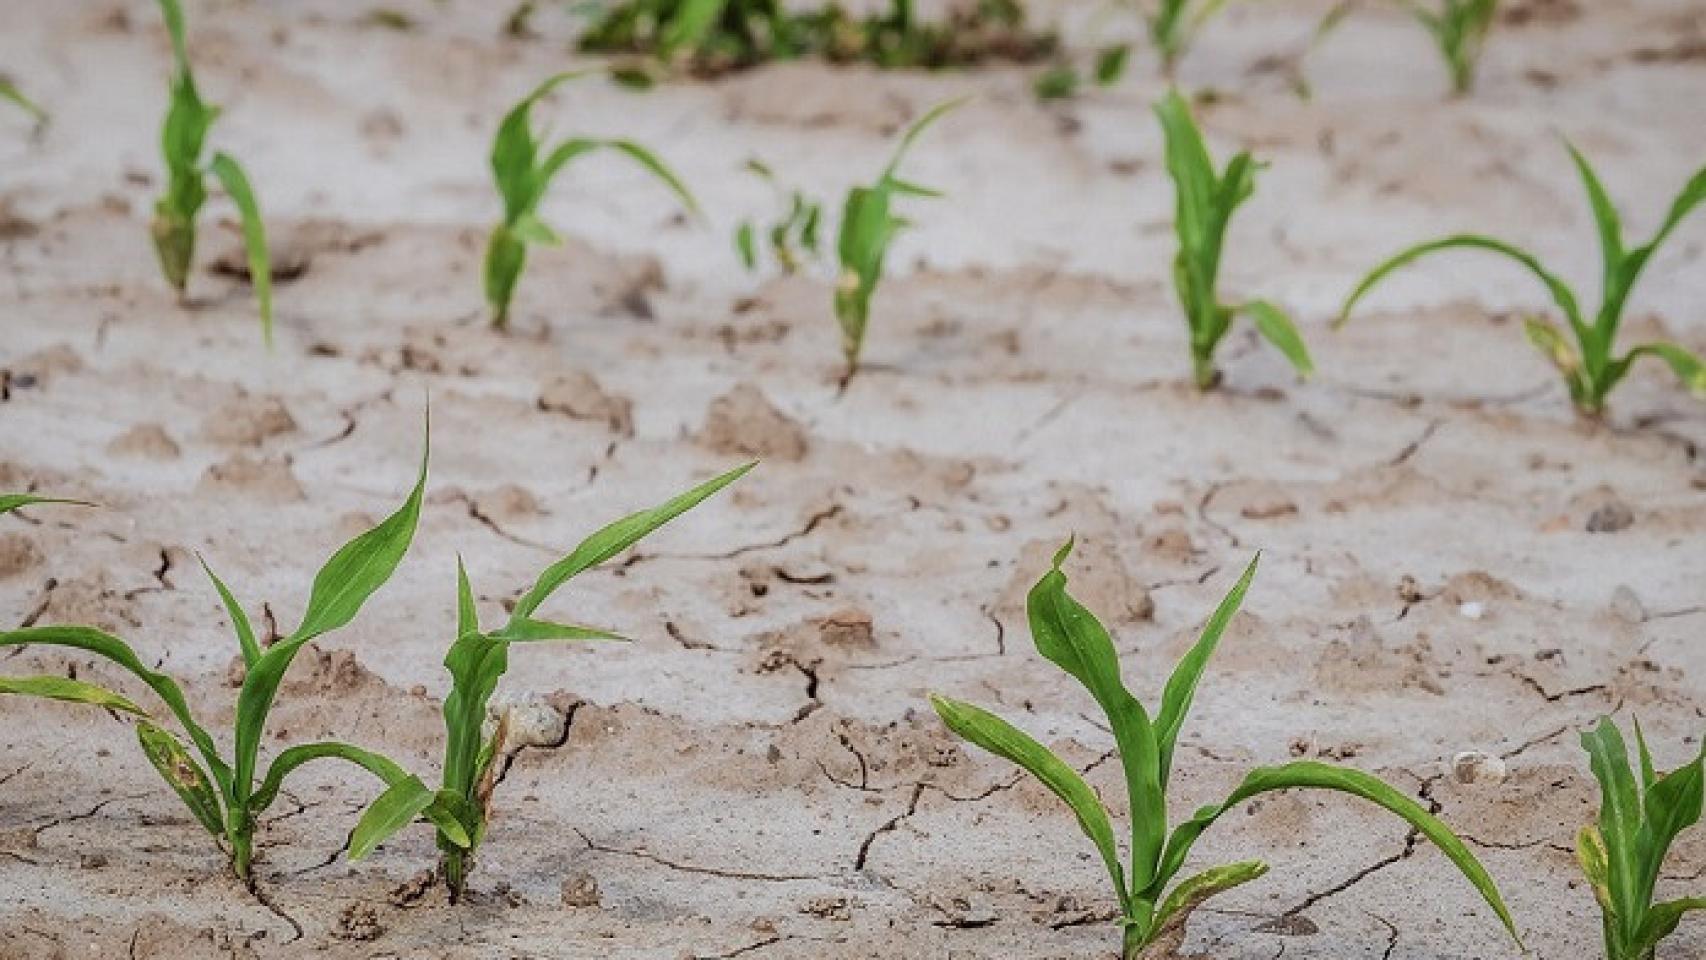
(581, 890)
(530, 722)
(1474, 766)
(1626, 605)
(828, 908)
(848, 627)
(1610, 517)
(1472, 610)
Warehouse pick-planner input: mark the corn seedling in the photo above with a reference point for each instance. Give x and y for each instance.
(1622, 854)
(1590, 366)
(523, 176)
(224, 795)
(1459, 29)
(1174, 24)
(1205, 203)
(868, 226)
(181, 139)
(478, 660)
(792, 237)
(1064, 80)
(9, 91)
(1068, 635)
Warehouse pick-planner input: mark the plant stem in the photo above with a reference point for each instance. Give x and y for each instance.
(453, 866)
(1132, 944)
(243, 852)
(1202, 365)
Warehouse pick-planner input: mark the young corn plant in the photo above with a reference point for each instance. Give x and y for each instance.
(1459, 29)
(181, 139)
(792, 237)
(1154, 909)
(478, 659)
(1622, 854)
(523, 176)
(1174, 24)
(868, 226)
(1590, 365)
(224, 793)
(1205, 203)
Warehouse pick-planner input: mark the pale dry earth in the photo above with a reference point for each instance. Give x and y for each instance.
(759, 775)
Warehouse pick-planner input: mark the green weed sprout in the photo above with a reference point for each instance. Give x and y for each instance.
(16, 501)
(9, 91)
(792, 236)
(1590, 366)
(868, 226)
(477, 661)
(181, 138)
(523, 177)
(223, 794)
(1205, 204)
(1623, 853)
(1459, 29)
(1068, 634)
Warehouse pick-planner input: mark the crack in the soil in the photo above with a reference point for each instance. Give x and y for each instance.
(277, 911)
(1412, 840)
(1549, 697)
(40, 608)
(864, 854)
(741, 951)
(1414, 446)
(1535, 742)
(480, 517)
(35, 833)
(597, 847)
(1202, 514)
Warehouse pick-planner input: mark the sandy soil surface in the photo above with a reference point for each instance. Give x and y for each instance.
(1453, 562)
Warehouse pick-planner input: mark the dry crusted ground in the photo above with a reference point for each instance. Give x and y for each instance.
(759, 775)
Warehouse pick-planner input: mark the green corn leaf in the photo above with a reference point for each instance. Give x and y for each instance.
(1561, 293)
(917, 129)
(1605, 217)
(648, 160)
(746, 245)
(467, 616)
(907, 188)
(867, 228)
(1619, 815)
(236, 183)
(514, 149)
(1660, 922)
(1001, 738)
(70, 691)
(1056, 83)
(616, 537)
(1687, 367)
(1671, 805)
(183, 774)
(173, 15)
(1316, 775)
(239, 620)
(1277, 328)
(530, 630)
(1111, 63)
(1648, 773)
(1070, 636)
(352, 575)
(362, 566)
(528, 228)
(687, 29)
(1192, 893)
(400, 805)
(109, 647)
(1550, 341)
(15, 501)
(505, 256)
(1182, 685)
(9, 91)
(292, 758)
(476, 663)
(1192, 170)
(564, 154)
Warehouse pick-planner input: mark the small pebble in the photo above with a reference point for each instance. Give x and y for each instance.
(1474, 766)
(1473, 610)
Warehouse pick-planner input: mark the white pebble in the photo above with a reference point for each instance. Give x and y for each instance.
(1473, 610)
(1473, 766)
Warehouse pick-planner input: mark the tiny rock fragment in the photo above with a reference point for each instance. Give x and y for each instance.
(578, 396)
(1472, 610)
(828, 908)
(581, 890)
(744, 423)
(848, 627)
(1610, 517)
(358, 921)
(529, 722)
(1626, 605)
(1474, 766)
